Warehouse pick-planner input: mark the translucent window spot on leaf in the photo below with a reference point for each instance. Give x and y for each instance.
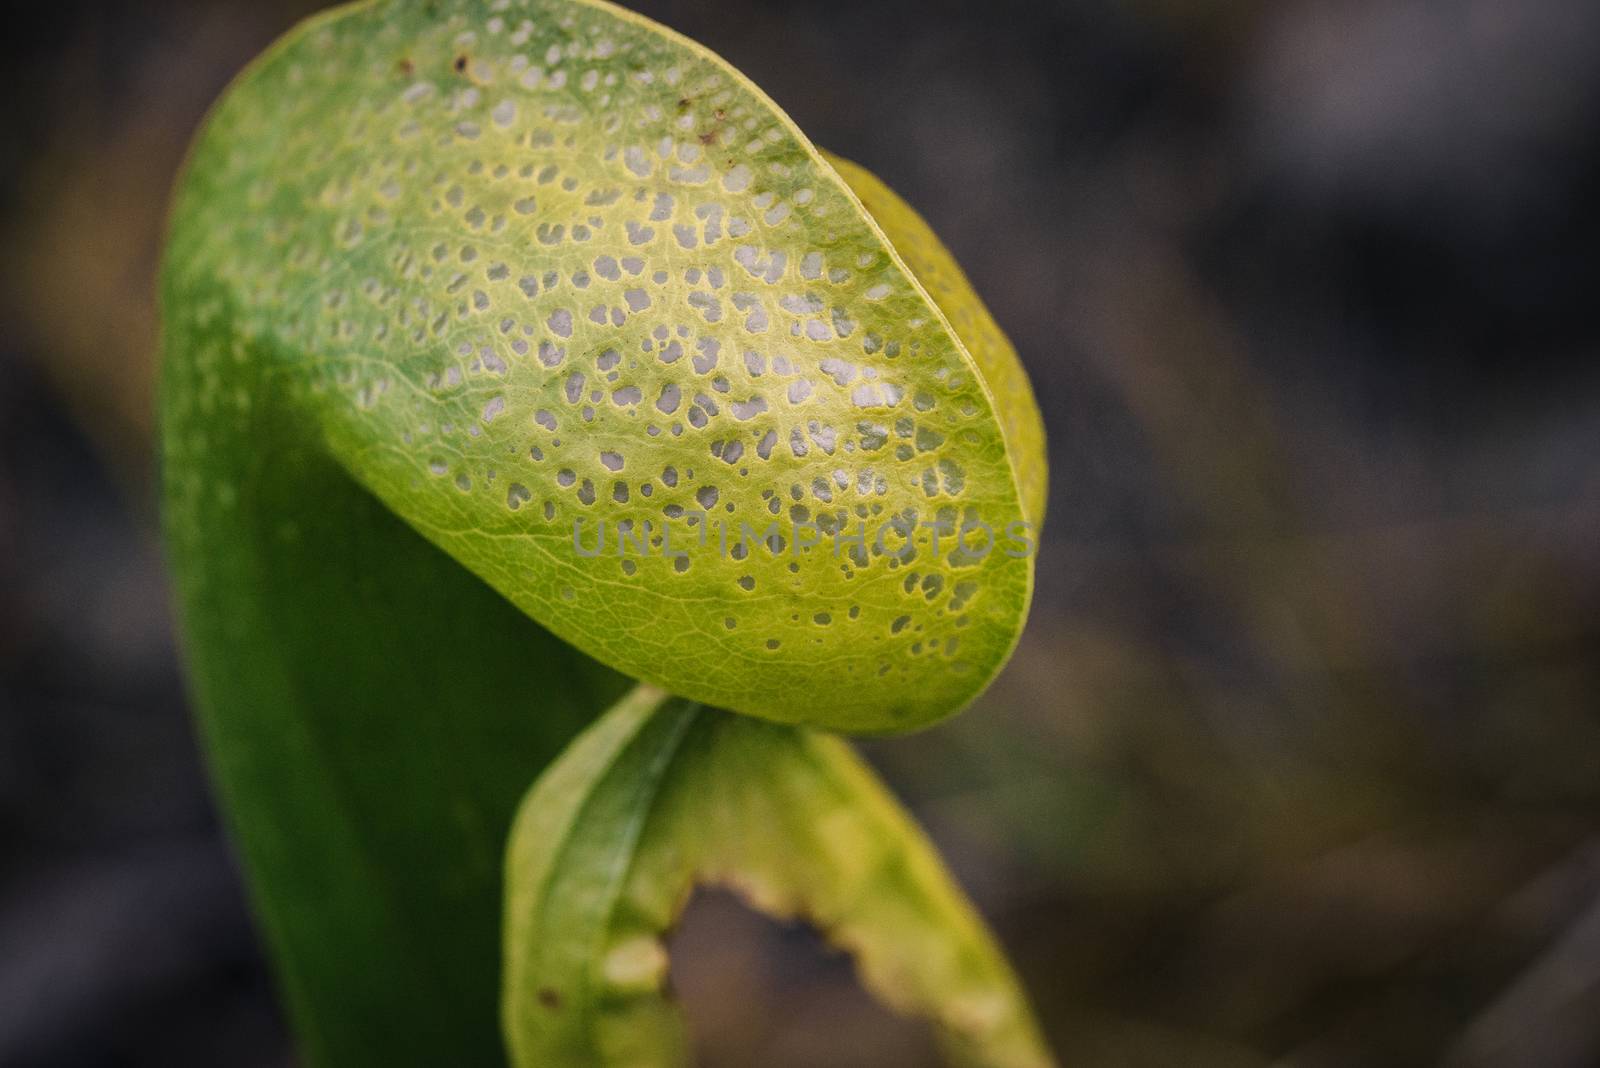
(708, 351)
(873, 435)
(638, 964)
(748, 409)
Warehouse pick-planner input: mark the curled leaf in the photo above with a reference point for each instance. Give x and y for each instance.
(573, 298)
(663, 794)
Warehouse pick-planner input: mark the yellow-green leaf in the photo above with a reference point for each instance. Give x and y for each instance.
(663, 794)
(531, 270)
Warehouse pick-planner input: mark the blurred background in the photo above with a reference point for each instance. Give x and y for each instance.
(1299, 760)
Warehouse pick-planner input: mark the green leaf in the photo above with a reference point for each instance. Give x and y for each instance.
(533, 268)
(373, 712)
(997, 362)
(664, 794)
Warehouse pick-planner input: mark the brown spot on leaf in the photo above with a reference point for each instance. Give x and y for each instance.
(461, 64)
(549, 998)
